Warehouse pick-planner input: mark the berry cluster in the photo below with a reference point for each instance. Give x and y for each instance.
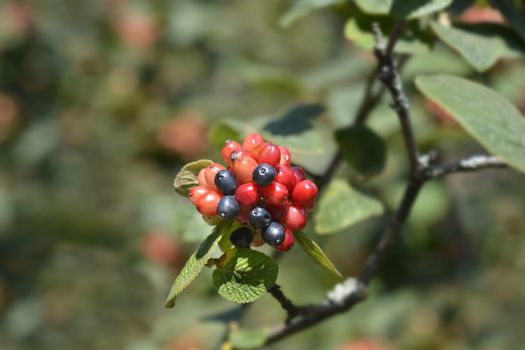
(259, 188)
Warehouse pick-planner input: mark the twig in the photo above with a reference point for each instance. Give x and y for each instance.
(389, 75)
(342, 298)
(370, 100)
(368, 103)
(286, 303)
(473, 163)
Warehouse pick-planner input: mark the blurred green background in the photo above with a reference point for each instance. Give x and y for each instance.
(102, 101)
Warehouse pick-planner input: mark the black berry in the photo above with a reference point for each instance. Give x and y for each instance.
(242, 237)
(225, 181)
(264, 174)
(259, 217)
(274, 234)
(228, 208)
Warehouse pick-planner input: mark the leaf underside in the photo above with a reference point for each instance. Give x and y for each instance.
(486, 115)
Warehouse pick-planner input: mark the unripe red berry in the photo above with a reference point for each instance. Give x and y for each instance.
(247, 194)
(201, 178)
(299, 173)
(295, 218)
(251, 141)
(228, 148)
(210, 173)
(243, 169)
(304, 193)
(286, 157)
(207, 204)
(274, 194)
(285, 176)
(289, 241)
(196, 193)
(270, 154)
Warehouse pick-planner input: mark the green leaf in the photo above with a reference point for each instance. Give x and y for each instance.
(341, 206)
(246, 277)
(512, 14)
(296, 130)
(402, 9)
(187, 176)
(196, 263)
(362, 148)
(480, 52)
(316, 253)
(414, 40)
(481, 45)
(247, 338)
(310, 142)
(302, 8)
(223, 130)
(485, 114)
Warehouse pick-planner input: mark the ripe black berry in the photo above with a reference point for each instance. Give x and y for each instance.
(264, 174)
(228, 208)
(274, 234)
(259, 217)
(242, 237)
(225, 181)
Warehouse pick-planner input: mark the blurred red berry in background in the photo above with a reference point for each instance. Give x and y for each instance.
(185, 135)
(160, 247)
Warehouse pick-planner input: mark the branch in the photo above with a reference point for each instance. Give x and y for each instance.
(473, 163)
(368, 103)
(389, 75)
(350, 292)
(345, 295)
(286, 303)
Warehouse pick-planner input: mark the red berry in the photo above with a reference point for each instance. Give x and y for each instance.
(251, 141)
(246, 194)
(278, 211)
(286, 157)
(310, 206)
(274, 194)
(299, 173)
(304, 192)
(196, 193)
(243, 213)
(239, 154)
(289, 241)
(285, 176)
(269, 154)
(207, 204)
(243, 168)
(210, 173)
(295, 218)
(227, 149)
(201, 178)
